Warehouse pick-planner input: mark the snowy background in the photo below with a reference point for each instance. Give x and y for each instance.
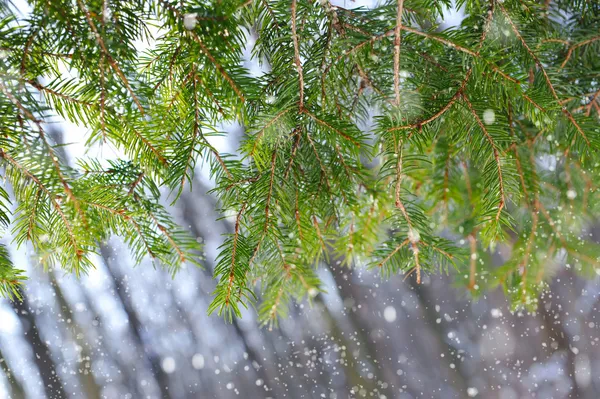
(124, 332)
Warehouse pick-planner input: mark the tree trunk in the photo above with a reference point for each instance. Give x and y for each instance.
(41, 353)
(16, 390)
(161, 378)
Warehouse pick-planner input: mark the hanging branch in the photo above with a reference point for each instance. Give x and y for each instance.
(297, 55)
(397, 42)
(496, 154)
(544, 73)
(111, 61)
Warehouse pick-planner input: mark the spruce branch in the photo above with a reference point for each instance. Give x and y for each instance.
(109, 58)
(370, 133)
(297, 60)
(496, 155)
(397, 43)
(544, 73)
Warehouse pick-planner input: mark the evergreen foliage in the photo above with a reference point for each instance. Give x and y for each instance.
(375, 136)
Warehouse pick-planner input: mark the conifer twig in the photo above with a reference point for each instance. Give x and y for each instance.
(397, 44)
(111, 61)
(78, 250)
(236, 234)
(544, 73)
(472, 261)
(442, 111)
(575, 47)
(496, 154)
(297, 54)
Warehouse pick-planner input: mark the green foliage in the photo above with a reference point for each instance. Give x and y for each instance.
(370, 138)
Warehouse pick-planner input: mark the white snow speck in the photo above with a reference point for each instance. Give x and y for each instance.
(168, 365)
(472, 392)
(489, 116)
(571, 194)
(496, 313)
(190, 20)
(198, 361)
(389, 314)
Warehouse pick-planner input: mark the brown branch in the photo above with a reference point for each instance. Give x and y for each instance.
(496, 153)
(78, 251)
(141, 235)
(472, 261)
(135, 183)
(442, 111)
(60, 175)
(592, 103)
(144, 140)
(18, 104)
(575, 47)
(397, 43)
(316, 224)
(297, 54)
(372, 39)
(236, 234)
(415, 250)
(219, 67)
(325, 53)
(398, 248)
(327, 125)
(164, 230)
(111, 61)
(46, 89)
(51, 152)
(323, 173)
(363, 74)
(33, 214)
(523, 263)
(441, 40)
(259, 134)
(26, 49)
(293, 154)
(544, 73)
(267, 206)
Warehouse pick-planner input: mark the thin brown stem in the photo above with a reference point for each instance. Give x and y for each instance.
(297, 54)
(397, 43)
(544, 73)
(236, 234)
(496, 153)
(111, 61)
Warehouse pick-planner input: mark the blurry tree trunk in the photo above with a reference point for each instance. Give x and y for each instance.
(161, 378)
(457, 379)
(41, 353)
(347, 290)
(85, 371)
(353, 377)
(556, 332)
(16, 390)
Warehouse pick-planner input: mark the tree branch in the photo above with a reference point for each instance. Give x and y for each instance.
(297, 54)
(397, 42)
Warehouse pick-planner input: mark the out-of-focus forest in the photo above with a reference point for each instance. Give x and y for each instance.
(125, 332)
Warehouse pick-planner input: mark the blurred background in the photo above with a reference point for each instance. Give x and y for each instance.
(134, 332)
